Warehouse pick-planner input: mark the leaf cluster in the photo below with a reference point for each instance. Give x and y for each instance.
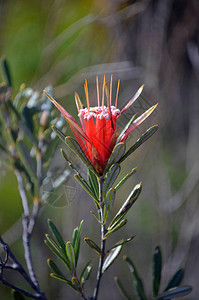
(26, 142)
(68, 253)
(171, 291)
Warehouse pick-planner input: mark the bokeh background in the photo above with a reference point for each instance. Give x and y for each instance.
(60, 42)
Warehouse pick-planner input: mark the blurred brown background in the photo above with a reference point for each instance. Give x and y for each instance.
(148, 41)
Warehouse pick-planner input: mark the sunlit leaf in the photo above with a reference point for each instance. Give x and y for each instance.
(71, 255)
(116, 227)
(111, 257)
(85, 273)
(126, 206)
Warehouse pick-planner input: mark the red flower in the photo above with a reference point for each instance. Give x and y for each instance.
(98, 133)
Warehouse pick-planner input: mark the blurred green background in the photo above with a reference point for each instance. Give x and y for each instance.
(152, 42)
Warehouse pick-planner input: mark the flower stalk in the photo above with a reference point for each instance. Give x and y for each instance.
(103, 240)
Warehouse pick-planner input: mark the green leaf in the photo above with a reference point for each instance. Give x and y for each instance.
(138, 285)
(121, 242)
(76, 283)
(157, 268)
(71, 255)
(94, 215)
(76, 242)
(126, 206)
(76, 148)
(175, 293)
(86, 187)
(54, 267)
(110, 198)
(26, 158)
(56, 235)
(117, 153)
(59, 133)
(110, 178)
(56, 276)
(126, 127)
(144, 137)
(6, 71)
(116, 227)
(121, 288)
(127, 176)
(93, 182)
(175, 280)
(57, 253)
(111, 257)
(93, 245)
(86, 273)
(17, 295)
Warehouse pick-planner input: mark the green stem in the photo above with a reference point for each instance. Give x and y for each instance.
(103, 241)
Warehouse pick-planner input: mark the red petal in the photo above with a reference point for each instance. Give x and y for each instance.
(72, 122)
(137, 94)
(137, 122)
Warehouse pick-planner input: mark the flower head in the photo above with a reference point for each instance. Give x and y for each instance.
(99, 133)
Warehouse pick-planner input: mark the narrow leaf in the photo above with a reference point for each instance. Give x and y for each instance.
(111, 257)
(175, 280)
(6, 72)
(122, 242)
(76, 283)
(71, 255)
(157, 268)
(93, 245)
(56, 276)
(121, 288)
(110, 198)
(55, 269)
(56, 235)
(117, 153)
(110, 178)
(137, 122)
(76, 148)
(93, 182)
(126, 127)
(76, 241)
(86, 273)
(175, 293)
(144, 137)
(59, 133)
(57, 253)
(127, 205)
(116, 227)
(86, 187)
(127, 176)
(138, 285)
